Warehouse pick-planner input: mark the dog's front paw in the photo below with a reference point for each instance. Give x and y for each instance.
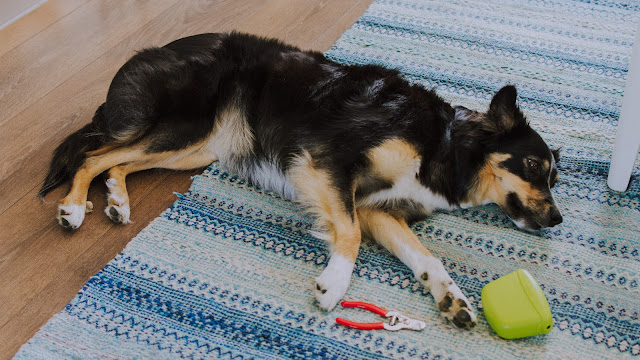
(71, 216)
(457, 310)
(452, 303)
(332, 284)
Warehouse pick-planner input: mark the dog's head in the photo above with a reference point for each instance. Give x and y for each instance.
(514, 167)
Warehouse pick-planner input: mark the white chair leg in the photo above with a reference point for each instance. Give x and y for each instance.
(628, 134)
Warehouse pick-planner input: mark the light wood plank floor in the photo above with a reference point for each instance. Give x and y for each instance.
(56, 64)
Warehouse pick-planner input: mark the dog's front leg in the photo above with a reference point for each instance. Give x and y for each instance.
(336, 222)
(396, 236)
(333, 282)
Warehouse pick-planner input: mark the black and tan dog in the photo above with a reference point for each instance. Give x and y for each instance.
(360, 147)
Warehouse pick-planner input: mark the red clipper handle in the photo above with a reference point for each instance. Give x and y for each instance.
(361, 326)
(366, 306)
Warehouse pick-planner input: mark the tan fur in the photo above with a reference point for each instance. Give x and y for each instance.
(546, 165)
(487, 186)
(398, 162)
(95, 165)
(532, 198)
(318, 193)
(495, 183)
(117, 186)
(103, 150)
(477, 117)
(133, 158)
(231, 137)
(394, 234)
(393, 159)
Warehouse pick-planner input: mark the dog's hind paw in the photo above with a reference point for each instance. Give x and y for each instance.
(332, 284)
(117, 209)
(118, 214)
(71, 216)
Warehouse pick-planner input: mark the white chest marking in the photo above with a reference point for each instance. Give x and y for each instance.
(268, 176)
(409, 188)
(232, 136)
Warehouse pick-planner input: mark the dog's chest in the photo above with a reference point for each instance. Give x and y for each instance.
(392, 183)
(406, 195)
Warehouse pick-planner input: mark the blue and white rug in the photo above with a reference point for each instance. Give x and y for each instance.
(227, 271)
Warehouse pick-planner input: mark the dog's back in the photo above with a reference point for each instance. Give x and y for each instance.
(267, 102)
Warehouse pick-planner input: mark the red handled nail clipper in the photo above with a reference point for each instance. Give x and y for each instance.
(397, 321)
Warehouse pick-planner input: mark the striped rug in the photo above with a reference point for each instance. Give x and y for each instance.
(227, 271)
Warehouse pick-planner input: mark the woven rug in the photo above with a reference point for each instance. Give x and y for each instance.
(227, 271)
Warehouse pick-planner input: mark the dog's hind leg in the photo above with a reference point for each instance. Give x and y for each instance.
(337, 223)
(396, 236)
(73, 207)
(118, 208)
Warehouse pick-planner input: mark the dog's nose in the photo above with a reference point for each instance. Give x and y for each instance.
(555, 217)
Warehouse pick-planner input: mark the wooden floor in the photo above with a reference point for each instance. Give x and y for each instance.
(56, 64)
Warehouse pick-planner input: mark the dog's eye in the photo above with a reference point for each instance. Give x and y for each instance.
(533, 165)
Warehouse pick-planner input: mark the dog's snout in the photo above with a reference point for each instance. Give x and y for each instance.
(555, 217)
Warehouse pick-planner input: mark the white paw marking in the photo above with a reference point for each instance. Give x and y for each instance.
(118, 213)
(458, 311)
(71, 216)
(116, 199)
(118, 209)
(447, 295)
(111, 183)
(332, 284)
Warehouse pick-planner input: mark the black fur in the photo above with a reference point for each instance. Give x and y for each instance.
(296, 101)
(71, 153)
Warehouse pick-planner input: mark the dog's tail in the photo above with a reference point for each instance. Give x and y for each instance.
(69, 156)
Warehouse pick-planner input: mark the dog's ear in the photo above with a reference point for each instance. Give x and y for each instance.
(504, 113)
(556, 154)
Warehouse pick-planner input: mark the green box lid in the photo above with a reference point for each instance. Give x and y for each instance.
(515, 306)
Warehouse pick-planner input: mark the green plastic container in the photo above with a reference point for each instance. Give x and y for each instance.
(516, 307)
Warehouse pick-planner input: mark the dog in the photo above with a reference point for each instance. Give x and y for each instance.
(360, 147)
